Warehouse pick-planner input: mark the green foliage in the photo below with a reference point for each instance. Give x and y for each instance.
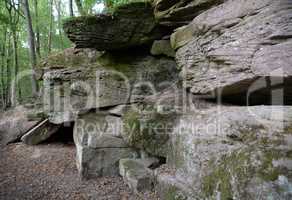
(110, 5)
(88, 5)
(42, 21)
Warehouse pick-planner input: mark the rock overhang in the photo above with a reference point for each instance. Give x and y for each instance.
(129, 25)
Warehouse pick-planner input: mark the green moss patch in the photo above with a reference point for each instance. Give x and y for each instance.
(234, 171)
(149, 132)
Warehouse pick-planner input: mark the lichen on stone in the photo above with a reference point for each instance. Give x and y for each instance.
(230, 175)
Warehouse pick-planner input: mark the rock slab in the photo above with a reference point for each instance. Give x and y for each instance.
(41, 132)
(132, 24)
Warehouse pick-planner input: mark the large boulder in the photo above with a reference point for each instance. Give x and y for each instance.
(222, 151)
(14, 124)
(239, 47)
(102, 80)
(129, 25)
(99, 145)
(177, 13)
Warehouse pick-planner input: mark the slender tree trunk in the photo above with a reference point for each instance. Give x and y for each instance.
(8, 72)
(16, 70)
(50, 28)
(58, 6)
(71, 8)
(38, 42)
(80, 7)
(13, 16)
(3, 101)
(31, 42)
(2, 79)
(2, 84)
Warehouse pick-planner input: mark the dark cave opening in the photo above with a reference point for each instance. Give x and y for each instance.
(63, 135)
(261, 91)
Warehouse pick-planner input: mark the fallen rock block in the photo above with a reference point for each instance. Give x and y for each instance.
(137, 175)
(14, 124)
(41, 132)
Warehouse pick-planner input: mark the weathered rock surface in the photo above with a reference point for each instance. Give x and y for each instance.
(99, 146)
(132, 24)
(137, 175)
(149, 132)
(177, 13)
(14, 124)
(162, 47)
(227, 151)
(230, 46)
(120, 110)
(103, 80)
(40, 133)
(168, 187)
(148, 126)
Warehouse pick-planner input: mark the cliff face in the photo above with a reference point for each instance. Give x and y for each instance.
(234, 44)
(154, 118)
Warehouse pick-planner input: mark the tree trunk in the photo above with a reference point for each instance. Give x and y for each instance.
(16, 70)
(8, 72)
(58, 6)
(3, 100)
(31, 42)
(71, 8)
(50, 28)
(80, 7)
(38, 42)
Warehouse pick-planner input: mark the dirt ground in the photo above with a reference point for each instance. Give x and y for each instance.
(48, 171)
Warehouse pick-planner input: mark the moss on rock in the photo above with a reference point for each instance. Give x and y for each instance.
(231, 175)
(149, 131)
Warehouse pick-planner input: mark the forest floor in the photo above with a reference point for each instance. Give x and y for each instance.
(48, 171)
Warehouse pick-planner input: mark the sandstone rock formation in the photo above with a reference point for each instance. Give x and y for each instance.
(237, 49)
(233, 152)
(129, 25)
(128, 104)
(101, 81)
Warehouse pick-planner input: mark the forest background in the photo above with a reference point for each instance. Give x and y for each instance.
(30, 30)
